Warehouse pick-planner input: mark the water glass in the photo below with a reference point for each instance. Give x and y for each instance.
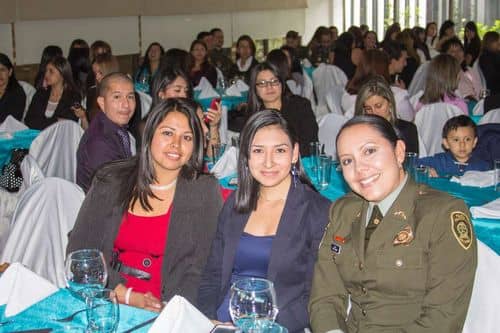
(483, 93)
(324, 171)
(497, 175)
(217, 151)
(252, 304)
(314, 152)
(85, 269)
(410, 163)
(103, 312)
(422, 174)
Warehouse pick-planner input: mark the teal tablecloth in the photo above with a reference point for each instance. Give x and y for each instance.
(20, 139)
(230, 102)
(61, 304)
(487, 230)
(470, 106)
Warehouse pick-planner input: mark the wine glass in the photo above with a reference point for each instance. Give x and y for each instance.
(85, 269)
(252, 304)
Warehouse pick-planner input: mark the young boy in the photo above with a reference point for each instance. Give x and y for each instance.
(459, 139)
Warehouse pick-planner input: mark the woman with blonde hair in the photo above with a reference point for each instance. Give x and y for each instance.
(442, 82)
(376, 97)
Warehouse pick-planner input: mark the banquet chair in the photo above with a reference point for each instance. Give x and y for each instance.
(430, 121)
(8, 200)
(325, 77)
(29, 91)
(482, 315)
(333, 99)
(44, 215)
(488, 143)
(55, 148)
(478, 70)
(491, 117)
(416, 98)
(146, 102)
(418, 81)
(478, 109)
(328, 128)
(11, 124)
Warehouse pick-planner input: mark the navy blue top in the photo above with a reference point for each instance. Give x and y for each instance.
(446, 165)
(251, 260)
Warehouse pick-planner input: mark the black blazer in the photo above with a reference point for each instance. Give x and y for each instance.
(191, 231)
(490, 66)
(235, 71)
(291, 264)
(298, 112)
(409, 134)
(12, 102)
(35, 118)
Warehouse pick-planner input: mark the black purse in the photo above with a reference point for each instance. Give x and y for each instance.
(11, 177)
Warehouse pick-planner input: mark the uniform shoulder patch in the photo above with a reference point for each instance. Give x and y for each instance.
(462, 229)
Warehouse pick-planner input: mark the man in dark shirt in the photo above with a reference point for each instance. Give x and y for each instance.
(220, 57)
(107, 137)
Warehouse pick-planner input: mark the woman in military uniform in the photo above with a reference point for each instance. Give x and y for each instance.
(396, 256)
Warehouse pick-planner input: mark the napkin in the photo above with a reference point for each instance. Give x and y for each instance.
(489, 211)
(242, 86)
(206, 89)
(202, 84)
(11, 124)
(20, 288)
(233, 91)
(476, 178)
(181, 316)
(226, 165)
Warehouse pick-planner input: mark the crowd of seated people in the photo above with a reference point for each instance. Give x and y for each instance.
(199, 240)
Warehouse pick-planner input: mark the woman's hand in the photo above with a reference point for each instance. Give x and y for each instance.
(214, 115)
(144, 301)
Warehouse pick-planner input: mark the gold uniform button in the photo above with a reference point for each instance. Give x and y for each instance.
(376, 221)
(364, 290)
(361, 266)
(399, 262)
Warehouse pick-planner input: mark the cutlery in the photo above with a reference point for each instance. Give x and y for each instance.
(136, 327)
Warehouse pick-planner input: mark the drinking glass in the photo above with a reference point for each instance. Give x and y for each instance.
(483, 93)
(252, 304)
(422, 174)
(103, 312)
(497, 175)
(85, 269)
(314, 152)
(324, 171)
(217, 151)
(410, 163)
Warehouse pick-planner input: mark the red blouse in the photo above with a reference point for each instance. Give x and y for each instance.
(141, 243)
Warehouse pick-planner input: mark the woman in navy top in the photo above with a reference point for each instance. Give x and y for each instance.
(270, 227)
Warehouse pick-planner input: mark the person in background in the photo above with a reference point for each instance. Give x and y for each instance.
(268, 92)
(49, 52)
(207, 38)
(78, 58)
(97, 47)
(370, 40)
(376, 97)
(320, 47)
(446, 31)
(199, 64)
(396, 256)
(459, 140)
(245, 59)
(147, 71)
(162, 188)
(431, 34)
(335, 34)
(345, 54)
(175, 58)
(442, 82)
(390, 34)
(472, 43)
(397, 62)
(218, 56)
(489, 61)
(56, 101)
(420, 45)
(293, 40)
(12, 96)
(358, 36)
(412, 60)
(78, 44)
(469, 81)
(270, 227)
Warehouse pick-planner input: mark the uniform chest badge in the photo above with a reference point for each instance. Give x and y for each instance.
(337, 242)
(462, 229)
(404, 236)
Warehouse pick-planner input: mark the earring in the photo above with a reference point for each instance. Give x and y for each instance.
(295, 174)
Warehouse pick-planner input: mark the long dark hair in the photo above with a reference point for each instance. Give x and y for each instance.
(5, 61)
(79, 61)
(254, 101)
(279, 59)
(250, 42)
(146, 175)
(166, 77)
(64, 68)
(49, 52)
(146, 63)
(445, 26)
(248, 188)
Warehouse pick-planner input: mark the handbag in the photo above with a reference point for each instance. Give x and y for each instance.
(11, 177)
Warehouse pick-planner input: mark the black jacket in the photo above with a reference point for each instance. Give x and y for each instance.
(12, 102)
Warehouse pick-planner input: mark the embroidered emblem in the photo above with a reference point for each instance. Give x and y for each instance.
(336, 248)
(339, 239)
(462, 229)
(404, 237)
(400, 214)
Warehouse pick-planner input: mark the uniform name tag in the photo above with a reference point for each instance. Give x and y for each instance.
(336, 248)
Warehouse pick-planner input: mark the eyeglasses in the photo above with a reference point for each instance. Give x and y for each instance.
(264, 83)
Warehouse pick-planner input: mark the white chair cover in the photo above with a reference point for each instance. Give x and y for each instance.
(11, 124)
(8, 200)
(329, 126)
(476, 68)
(418, 81)
(29, 91)
(55, 148)
(404, 108)
(146, 101)
(308, 88)
(294, 87)
(416, 98)
(324, 78)
(45, 214)
(334, 99)
(430, 121)
(485, 301)
(491, 117)
(478, 108)
(348, 102)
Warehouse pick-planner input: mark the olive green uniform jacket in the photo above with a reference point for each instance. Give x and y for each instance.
(421, 285)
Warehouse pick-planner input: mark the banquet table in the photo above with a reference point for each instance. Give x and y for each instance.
(230, 102)
(19, 139)
(45, 313)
